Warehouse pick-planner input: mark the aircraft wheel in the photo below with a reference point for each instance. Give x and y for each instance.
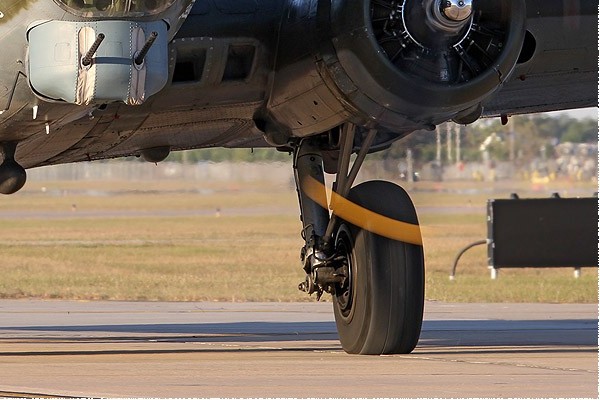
(379, 308)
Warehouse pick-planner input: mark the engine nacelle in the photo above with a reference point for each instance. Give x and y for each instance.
(399, 64)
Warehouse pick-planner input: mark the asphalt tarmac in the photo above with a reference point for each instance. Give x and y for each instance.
(145, 349)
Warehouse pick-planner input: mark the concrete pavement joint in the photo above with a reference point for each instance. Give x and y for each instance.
(499, 363)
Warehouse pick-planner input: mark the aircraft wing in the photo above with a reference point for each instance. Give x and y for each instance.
(558, 66)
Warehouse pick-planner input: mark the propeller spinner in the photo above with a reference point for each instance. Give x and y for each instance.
(456, 10)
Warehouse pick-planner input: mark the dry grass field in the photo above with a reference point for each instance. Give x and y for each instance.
(164, 241)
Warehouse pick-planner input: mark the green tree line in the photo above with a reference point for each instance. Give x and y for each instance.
(525, 136)
(220, 154)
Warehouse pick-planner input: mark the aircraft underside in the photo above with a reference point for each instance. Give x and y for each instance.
(83, 80)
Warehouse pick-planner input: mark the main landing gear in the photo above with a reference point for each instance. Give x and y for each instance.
(368, 254)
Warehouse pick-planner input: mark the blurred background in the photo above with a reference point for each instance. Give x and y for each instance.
(223, 224)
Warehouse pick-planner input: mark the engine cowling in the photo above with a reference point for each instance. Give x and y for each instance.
(426, 60)
(400, 65)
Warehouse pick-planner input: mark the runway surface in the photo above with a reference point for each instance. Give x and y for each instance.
(144, 349)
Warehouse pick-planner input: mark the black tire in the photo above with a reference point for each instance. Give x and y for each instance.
(380, 309)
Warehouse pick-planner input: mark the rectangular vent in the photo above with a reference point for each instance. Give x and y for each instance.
(184, 72)
(240, 59)
(189, 67)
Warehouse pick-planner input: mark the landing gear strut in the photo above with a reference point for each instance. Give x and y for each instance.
(376, 280)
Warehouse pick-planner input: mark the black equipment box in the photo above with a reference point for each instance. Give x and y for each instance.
(552, 232)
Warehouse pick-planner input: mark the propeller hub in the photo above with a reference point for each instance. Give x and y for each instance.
(456, 10)
(449, 16)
